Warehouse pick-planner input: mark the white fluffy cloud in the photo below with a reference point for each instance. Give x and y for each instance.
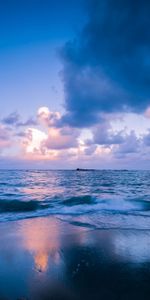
(50, 141)
(47, 117)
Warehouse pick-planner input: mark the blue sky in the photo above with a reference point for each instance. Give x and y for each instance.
(74, 84)
(31, 33)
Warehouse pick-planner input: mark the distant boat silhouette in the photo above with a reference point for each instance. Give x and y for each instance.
(85, 170)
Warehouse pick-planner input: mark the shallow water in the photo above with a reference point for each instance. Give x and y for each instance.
(97, 199)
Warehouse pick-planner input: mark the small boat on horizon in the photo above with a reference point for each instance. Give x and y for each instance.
(84, 170)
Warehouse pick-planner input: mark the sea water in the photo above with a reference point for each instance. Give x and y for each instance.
(94, 199)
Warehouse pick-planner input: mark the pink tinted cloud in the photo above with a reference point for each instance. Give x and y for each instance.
(60, 139)
(5, 139)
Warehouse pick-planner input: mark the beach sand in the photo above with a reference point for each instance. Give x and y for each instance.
(46, 258)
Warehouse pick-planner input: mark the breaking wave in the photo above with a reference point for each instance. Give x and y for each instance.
(19, 206)
(100, 199)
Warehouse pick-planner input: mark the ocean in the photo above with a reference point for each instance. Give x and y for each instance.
(97, 199)
(72, 235)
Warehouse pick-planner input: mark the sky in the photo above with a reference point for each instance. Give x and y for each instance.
(74, 84)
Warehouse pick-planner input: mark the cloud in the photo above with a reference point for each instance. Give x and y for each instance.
(147, 113)
(32, 140)
(52, 140)
(116, 144)
(52, 145)
(14, 119)
(47, 117)
(146, 139)
(58, 138)
(29, 122)
(130, 145)
(104, 135)
(90, 150)
(64, 138)
(5, 138)
(107, 67)
(67, 147)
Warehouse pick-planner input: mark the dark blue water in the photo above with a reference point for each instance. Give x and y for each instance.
(98, 199)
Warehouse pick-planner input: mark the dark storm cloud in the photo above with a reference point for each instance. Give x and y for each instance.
(107, 67)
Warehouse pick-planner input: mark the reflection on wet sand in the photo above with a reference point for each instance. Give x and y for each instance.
(54, 260)
(41, 261)
(42, 240)
(109, 262)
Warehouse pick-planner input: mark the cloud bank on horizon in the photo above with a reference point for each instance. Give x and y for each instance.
(106, 79)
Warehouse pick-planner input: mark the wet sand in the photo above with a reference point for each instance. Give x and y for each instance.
(45, 258)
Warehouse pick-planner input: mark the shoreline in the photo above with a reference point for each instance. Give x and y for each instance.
(45, 258)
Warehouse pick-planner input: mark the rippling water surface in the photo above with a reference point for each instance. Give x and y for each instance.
(98, 199)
